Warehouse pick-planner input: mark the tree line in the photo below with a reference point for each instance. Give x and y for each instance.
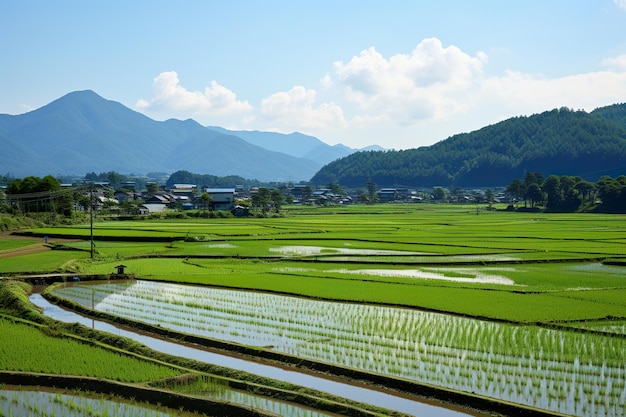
(35, 194)
(209, 181)
(561, 141)
(570, 193)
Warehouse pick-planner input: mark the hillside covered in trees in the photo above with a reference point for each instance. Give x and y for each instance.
(558, 142)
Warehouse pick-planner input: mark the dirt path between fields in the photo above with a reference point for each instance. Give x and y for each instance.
(38, 245)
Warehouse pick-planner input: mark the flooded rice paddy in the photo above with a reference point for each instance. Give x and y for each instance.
(37, 403)
(301, 250)
(345, 390)
(472, 275)
(567, 372)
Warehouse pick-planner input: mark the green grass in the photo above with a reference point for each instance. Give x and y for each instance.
(42, 262)
(15, 244)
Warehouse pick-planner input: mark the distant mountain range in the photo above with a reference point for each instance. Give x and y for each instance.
(82, 132)
(295, 144)
(560, 142)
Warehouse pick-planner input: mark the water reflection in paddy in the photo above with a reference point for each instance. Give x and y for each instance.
(22, 402)
(566, 372)
(344, 390)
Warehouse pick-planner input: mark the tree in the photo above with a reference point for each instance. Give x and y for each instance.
(439, 193)
(115, 179)
(371, 192)
(206, 200)
(34, 194)
(152, 187)
(516, 189)
(552, 187)
(533, 178)
(586, 189)
(277, 199)
(534, 194)
(261, 200)
(610, 191)
(567, 184)
(4, 207)
(336, 188)
(571, 201)
(307, 193)
(490, 196)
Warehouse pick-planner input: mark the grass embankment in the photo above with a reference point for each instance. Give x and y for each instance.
(8, 223)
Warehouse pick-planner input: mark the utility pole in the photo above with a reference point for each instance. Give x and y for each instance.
(92, 244)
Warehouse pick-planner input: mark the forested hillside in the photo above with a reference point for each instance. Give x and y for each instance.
(207, 180)
(560, 142)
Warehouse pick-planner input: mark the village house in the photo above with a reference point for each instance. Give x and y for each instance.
(157, 203)
(221, 198)
(387, 195)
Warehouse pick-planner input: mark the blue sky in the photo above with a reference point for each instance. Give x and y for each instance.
(401, 74)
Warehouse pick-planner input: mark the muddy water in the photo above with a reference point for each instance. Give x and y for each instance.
(352, 392)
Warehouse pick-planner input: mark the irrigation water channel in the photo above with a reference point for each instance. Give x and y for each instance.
(341, 389)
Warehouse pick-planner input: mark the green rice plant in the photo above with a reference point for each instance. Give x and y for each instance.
(62, 404)
(25, 348)
(42, 262)
(426, 347)
(6, 244)
(528, 301)
(420, 256)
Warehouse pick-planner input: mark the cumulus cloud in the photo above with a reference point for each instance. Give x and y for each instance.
(170, 96)
(415, 99)
(438, 91)
(617, 63)
(621, 4)
(296, 109)
(580, 91)
(410, 87)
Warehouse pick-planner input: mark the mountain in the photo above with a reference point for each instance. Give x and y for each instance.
(82, 132)
(294, 144)
(561, 142)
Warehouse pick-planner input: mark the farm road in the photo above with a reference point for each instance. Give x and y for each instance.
(38, 245)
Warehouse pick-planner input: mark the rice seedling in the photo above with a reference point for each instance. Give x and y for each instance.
(539, 366)
(41, 353)
(52, 404)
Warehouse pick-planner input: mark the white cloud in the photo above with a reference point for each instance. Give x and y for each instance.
(620, 3)
(296, 109)
(517, 94)
(523, 93)
(618, 62)
(408, 88)
(402, 101)
(170, 96)
(326, 81)
(436, 92)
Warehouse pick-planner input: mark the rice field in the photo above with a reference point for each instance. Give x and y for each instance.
(37, 403)
(22, 401)
(66, 356)
(388, 264)
(567, 372)
(518, 293)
